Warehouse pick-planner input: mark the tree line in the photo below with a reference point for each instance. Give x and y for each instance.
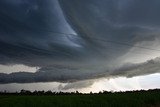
(49, 92)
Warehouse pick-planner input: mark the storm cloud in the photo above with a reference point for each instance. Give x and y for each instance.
(73, 75)
(71, 43)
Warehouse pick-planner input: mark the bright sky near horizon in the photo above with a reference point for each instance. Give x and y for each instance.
(114, 84)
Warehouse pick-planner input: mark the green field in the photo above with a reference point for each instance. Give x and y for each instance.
(129, 99)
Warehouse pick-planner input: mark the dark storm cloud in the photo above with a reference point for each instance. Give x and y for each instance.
(29, 33)
(124, 21)
(72, 43)
(73, 75)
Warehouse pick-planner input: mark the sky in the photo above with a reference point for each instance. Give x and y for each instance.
(58, 45)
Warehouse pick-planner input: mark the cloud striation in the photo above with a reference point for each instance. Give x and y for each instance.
(71, 43)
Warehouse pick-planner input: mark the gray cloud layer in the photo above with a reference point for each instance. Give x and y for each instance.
(35, 33)
(72, 75)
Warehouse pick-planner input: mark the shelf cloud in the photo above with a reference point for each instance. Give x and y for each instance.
(72, 75)
(70, 43)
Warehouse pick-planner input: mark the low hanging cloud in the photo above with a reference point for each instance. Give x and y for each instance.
(70, 43)
(76, 85)
(72, 75)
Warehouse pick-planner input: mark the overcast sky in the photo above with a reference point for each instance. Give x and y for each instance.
(59, 42)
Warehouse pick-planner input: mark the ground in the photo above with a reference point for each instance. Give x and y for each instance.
(124, 99)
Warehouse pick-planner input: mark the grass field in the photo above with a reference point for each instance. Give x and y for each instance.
(128, 99)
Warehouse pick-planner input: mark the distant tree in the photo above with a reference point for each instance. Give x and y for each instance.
(77, 92)
(41, 92)
(25, 91)
(48, 92)
(91, 92)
